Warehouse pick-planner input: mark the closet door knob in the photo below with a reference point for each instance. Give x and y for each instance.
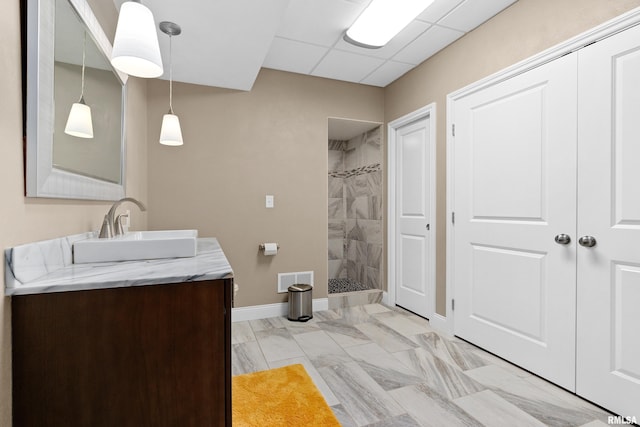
(587, 241)
(563, 239)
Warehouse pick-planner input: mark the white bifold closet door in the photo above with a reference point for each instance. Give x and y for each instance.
(608, 338)
(547, 232)
(515, 190)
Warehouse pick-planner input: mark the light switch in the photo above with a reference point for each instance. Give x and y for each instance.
(269, 201)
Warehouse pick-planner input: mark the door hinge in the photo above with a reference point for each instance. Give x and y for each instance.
(453, 304)
(453, 130)
(453, 217)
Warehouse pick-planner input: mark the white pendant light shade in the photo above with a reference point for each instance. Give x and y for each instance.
(135, 47)
(170, 133)
(79, 122)
(382, 20)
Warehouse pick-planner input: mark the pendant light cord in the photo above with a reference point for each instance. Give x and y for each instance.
(170, 75)
(171, 29)
(84, 46)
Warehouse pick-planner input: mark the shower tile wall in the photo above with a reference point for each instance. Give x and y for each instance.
(337, 212)
(355, 192)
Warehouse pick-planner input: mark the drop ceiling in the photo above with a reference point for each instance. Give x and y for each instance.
(224, 43)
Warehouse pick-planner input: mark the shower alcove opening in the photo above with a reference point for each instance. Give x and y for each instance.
(355, 239)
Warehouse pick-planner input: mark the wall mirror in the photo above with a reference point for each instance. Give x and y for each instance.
(61, 34)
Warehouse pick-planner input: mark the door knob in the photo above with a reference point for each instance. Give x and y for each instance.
(563, 239)
(587, 241)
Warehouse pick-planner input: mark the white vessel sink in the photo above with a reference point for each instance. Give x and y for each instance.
(138, 245)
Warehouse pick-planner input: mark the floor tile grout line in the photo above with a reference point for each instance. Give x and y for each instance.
(264, 356)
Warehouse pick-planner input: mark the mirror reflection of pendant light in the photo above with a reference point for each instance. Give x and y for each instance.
(170, 133)
(79, 121)
(135, 47)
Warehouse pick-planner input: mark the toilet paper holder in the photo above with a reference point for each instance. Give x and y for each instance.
(261, 246)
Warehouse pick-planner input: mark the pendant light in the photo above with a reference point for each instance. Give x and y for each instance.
(79, 121)
(135, 47)
(382, 20)
(170, 133)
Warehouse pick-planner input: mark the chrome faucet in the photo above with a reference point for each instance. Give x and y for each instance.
(111, 226)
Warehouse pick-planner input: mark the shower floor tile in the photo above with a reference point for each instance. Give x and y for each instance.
(337, 286)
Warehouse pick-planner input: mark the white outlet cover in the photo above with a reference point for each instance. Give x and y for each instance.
(269, 202)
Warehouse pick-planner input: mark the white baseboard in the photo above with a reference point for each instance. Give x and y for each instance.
(437, 321)
(321, 304)
(265, 311)
(386, 299)
(440, 324)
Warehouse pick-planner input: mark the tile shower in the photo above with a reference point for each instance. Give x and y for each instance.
(355, 213)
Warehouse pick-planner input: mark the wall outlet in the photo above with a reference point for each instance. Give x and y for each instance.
(269, 201)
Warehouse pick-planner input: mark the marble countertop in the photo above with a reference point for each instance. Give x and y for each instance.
(44, 267)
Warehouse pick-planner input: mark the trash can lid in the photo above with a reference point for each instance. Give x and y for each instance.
(300, 288)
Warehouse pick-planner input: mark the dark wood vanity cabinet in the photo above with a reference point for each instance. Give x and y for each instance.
(155, 355)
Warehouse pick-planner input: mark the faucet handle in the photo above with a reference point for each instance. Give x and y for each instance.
(106, 231)
(120, 228)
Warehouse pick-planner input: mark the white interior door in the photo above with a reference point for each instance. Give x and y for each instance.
(608, 305)
(515, 190)
(414, 271)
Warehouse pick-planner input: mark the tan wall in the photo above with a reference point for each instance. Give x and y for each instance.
(241, 146)
(27, 220)
(522, 30)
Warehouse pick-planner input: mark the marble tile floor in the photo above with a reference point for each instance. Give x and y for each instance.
(382, 366)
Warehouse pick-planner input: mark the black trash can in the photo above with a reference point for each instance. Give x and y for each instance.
(300, 303)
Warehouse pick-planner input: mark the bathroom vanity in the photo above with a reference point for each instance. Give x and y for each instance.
(136, 343)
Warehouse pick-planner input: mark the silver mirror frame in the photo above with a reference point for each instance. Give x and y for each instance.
(42, 179)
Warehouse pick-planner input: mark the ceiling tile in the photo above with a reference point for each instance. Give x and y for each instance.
(387, 73)
(438, 9)
(472, 13)
(320, 22)
(223, 44)
(407, 35)
(294, 56)
(346, 66)
(430, 42)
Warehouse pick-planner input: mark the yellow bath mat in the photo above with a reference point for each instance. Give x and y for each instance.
(279, 397)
